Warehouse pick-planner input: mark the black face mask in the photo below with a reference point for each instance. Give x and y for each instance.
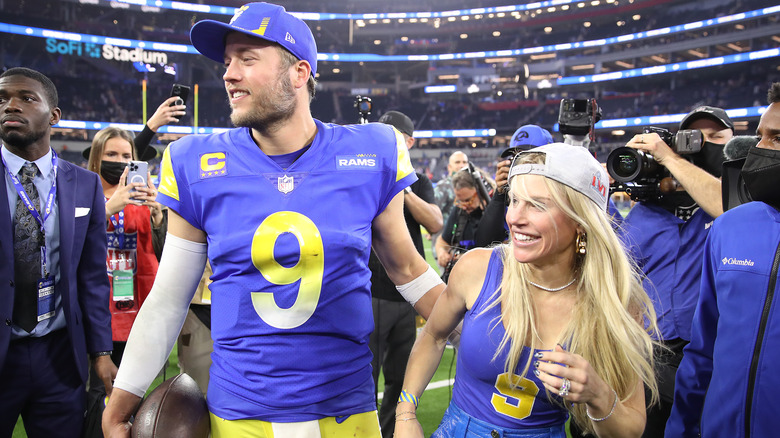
(710, 158)
(679, 204)
(761, 173)
(111, 171)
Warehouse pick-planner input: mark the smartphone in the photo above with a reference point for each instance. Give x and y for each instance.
(180, 91)
(138, 172)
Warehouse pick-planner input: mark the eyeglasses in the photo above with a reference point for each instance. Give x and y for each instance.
(469, 201)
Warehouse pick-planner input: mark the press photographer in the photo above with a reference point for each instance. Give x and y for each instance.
(471, 197)
(665, 234)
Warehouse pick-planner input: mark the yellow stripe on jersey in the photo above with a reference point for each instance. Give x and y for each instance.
(404, 162)
(365, 425)
(168, 185)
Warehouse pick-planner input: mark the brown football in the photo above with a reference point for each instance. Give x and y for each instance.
(174, 409)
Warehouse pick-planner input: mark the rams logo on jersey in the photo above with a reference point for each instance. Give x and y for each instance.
(359, 161)
(213, 164)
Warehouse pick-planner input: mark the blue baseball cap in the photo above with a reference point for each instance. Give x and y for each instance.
(262, 20)
(530, 136)
(527, 137)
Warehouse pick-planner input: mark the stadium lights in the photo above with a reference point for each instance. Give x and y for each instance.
(670, 68)
(541, 52)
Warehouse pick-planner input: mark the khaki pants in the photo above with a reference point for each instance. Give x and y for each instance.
(194, 348)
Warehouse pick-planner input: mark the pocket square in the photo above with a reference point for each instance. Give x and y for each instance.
(82, 211)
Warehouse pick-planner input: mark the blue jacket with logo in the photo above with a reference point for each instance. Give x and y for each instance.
(728, 380)
(668, 251)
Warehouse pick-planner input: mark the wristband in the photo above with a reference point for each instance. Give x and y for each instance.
(415, 289)
(100, 353)
(408, 397)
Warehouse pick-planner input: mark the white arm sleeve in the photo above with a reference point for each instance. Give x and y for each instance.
(160, 319)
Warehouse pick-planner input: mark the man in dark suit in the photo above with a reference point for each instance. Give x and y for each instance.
(53, 283)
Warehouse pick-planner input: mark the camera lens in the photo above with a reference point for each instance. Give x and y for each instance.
(626, 164)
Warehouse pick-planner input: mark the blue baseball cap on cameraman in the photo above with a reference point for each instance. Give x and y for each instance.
(262, 20)
(527, 137)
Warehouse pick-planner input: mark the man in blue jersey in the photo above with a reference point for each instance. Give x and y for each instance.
(726, 382)
(287, 209)
(666, 238)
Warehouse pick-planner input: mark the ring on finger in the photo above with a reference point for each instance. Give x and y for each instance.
(565, 386)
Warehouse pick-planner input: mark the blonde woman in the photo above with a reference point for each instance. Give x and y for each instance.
(555, 323)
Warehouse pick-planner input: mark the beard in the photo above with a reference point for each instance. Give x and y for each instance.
(21, 140)
(271, 108)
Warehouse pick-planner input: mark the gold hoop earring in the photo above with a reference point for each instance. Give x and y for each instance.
(582, 241)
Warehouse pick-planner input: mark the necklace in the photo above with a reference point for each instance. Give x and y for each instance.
(549, 289)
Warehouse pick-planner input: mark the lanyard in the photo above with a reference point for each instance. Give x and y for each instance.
(118, 220)
(49, 206)
(26, 199)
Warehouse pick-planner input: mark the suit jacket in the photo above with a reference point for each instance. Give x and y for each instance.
(83, 282)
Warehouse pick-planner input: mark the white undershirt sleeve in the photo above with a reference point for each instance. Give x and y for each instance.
(162, 315)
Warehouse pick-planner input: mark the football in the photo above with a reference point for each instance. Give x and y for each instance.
(174, 409)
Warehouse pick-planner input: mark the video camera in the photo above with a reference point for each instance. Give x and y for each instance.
(363, 105)
(577, 116)
(639, 174)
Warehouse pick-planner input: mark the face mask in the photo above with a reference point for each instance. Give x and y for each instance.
(679, 204)
(710, 158)
(111, 171)
(761, 173)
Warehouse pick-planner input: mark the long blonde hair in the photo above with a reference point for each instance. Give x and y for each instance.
(613, 318)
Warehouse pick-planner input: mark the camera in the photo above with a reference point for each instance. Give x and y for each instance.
(734, 191)
(577, 116)
(363, 105)
(638, 173)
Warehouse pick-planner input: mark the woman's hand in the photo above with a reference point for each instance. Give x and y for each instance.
(123, 195)
(166, 113)
(584, 386)
(148, 195)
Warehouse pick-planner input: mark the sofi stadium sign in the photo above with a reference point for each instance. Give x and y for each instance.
(105, 51)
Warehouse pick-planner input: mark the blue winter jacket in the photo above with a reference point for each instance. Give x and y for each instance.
(727, 384)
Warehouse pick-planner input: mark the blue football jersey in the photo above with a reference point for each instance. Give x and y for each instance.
(291, 303)
(483, 389)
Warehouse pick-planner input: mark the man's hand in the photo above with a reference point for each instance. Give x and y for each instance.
(502, 176)
(106, 371)
(652, 144)
(121, 406)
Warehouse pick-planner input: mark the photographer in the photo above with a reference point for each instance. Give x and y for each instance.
(666, 236)
(726, 386)
(445, 193)
(492, 227)
(460, 229)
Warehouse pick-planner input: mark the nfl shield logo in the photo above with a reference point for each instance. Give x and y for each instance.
(285, 184)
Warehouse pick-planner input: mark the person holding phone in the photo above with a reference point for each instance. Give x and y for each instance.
(171, 110)
(132, 218)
